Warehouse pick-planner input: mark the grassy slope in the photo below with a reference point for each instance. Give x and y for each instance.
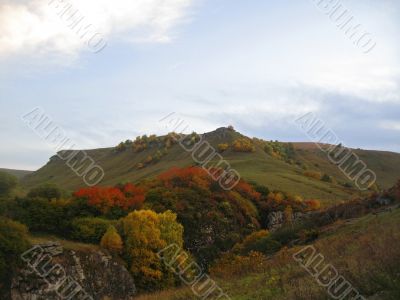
(356, 248)
(17, 173)
(257, 166)
(385, 164)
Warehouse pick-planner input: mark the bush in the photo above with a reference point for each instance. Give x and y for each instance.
(47, 191)
(266, 245)
(112, 241)
(39, 214)
(326, 178)
(89, 230)
(248, 243)
(13, 242)
(312, 174)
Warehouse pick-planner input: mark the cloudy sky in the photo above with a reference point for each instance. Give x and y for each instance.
(257, 65)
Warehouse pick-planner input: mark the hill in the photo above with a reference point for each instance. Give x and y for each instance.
(17, 173)
(135, 161)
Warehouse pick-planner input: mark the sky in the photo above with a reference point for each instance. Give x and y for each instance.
(257, 65)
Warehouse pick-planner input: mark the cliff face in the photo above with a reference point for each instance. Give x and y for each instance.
(52, 272)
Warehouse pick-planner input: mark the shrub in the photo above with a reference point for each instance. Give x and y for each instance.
(112, 241)
(266, 245)
(313, 174)
(326, 178)
(89, 230)
(248, 243)
(38, 214)
(13, 242)
(47, 191)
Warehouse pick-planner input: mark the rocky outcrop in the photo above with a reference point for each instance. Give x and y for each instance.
(52, 272)
(276, 219)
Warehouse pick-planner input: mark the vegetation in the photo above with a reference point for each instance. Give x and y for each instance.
(13, 242)
(47, 191)
(146, 233)
(226, 232)
(222, 147)
(243, 145)
(112, 241)
(364, 251)
(89, 229)
(113, 201)
(7, 183)
(284, 151)
(269, 170)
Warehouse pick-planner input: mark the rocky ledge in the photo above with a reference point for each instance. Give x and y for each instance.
(52, 272)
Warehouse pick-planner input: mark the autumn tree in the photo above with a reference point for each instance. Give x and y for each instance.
(112, 241)
(222, 147)
(243, 145)
(146, 233)
(126, 197)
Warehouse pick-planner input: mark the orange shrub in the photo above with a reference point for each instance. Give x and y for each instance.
(312, 174)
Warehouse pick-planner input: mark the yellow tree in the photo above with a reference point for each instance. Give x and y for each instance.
(146, 234)
(112, 241)
(143, 240)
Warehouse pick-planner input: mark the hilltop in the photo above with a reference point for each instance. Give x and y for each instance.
(291, 167)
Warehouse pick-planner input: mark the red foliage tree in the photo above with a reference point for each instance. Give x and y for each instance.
(247, 191)
(104, 198)
(186, 177)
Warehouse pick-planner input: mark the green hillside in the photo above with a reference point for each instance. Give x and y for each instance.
(17, 173)
(258, 166)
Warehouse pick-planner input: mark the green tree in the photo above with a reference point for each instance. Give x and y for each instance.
(89, 230)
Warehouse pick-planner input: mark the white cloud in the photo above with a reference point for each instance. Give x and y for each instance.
(35, 26)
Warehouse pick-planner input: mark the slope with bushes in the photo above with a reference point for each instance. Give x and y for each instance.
(279, 166)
